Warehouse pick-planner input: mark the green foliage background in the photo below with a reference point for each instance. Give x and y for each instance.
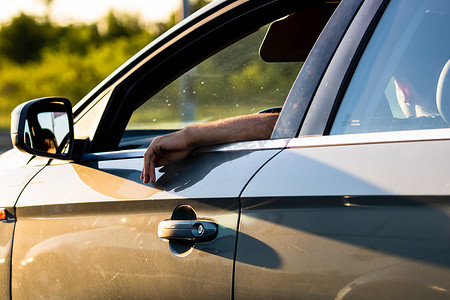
(38, 58)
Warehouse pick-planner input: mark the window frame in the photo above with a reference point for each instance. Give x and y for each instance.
(320, 115)
(297, 104)
(232, 23)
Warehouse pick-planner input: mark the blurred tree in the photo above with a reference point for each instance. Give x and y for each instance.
(159, 28)
(48, 5)
(23, 39)
(39, 58)
(75, 39)
(122, 25)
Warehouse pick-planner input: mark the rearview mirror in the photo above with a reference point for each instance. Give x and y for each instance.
(43, 127)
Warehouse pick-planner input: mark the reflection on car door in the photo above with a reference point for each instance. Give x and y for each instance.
(10, 175)
(91, 229)
(356, 217)
(364, 212)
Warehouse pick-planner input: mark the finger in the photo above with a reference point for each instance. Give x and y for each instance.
(145, 169)
(145, 177)
(152, 171)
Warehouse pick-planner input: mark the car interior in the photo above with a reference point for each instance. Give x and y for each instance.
(389, 90)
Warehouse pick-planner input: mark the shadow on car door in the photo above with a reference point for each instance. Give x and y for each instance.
(91, 229)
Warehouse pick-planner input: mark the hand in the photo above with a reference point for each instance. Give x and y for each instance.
(163, 150)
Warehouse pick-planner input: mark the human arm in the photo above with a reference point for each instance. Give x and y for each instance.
(178, 145)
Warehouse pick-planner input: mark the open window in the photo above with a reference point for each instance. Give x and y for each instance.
(233, 82)
(250, 75)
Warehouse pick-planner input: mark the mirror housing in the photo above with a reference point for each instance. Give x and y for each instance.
(44, 127)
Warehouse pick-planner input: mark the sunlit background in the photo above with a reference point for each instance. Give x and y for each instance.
(88, 11)
(66, 47)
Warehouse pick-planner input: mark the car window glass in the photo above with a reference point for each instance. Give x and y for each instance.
(233, 82)
(395, 85)
(86, 124)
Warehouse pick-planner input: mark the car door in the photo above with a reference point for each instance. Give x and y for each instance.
(16, 171)
(358, 205)
(67, 245)
(90, 228)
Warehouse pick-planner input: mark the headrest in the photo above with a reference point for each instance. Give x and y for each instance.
(291, 39)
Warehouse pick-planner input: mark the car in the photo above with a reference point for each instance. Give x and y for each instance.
(348, 199)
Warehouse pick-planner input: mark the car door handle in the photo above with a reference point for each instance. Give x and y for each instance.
(199, 231)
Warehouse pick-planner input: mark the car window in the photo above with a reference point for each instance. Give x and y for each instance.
(234, 81)
(85, 124)
(395, 85)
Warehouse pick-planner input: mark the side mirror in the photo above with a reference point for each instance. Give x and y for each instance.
(44, 127)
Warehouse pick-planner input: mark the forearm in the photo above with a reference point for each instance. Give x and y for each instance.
(236, 129)
(177, 145)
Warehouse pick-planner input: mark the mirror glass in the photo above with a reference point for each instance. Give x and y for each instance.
(48, 131)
